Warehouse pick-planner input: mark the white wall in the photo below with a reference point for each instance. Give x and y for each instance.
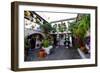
(5, 31)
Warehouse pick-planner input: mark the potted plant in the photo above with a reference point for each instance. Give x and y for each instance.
(44, 50)
(54, 28)
(46, 46)
(79, 29)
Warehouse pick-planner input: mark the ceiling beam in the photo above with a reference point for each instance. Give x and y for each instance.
(63, 20)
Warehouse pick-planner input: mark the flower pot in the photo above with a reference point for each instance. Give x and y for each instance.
(42, 54)
(47, 49)
(84, 49)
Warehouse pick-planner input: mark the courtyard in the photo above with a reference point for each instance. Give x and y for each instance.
(56, 36)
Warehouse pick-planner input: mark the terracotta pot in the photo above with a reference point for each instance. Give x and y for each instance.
(84, 49)
(42, 54)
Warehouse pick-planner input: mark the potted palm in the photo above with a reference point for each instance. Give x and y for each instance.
(79, 29)
(46, 29)
(82, 30)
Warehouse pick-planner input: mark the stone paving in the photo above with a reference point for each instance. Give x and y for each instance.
(59, 53)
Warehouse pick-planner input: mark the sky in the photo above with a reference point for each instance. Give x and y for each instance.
(52, 16)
